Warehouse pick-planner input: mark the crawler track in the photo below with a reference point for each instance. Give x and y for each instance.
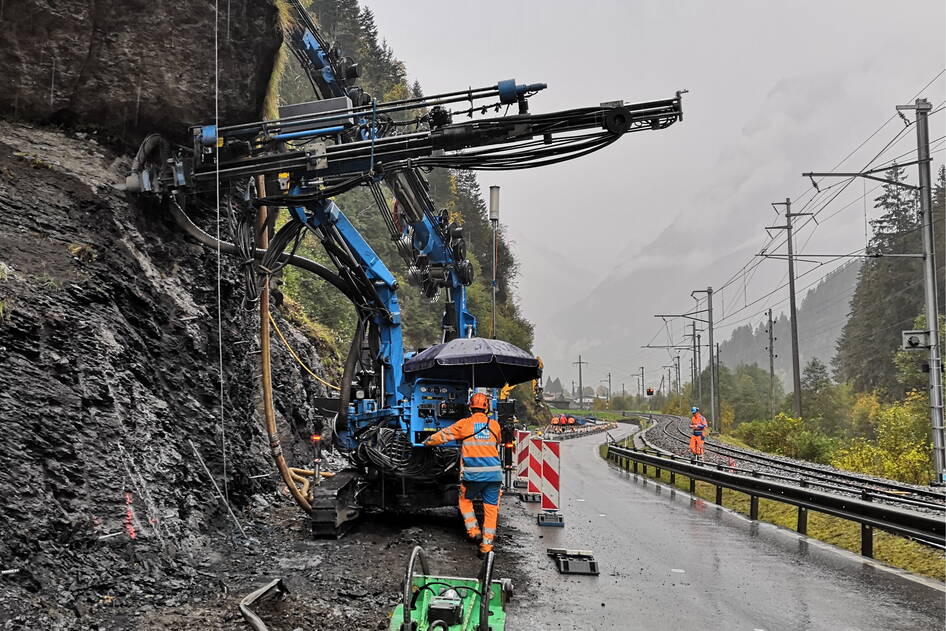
(671, 433)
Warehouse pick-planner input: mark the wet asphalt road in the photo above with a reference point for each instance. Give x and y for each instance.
(669, 562)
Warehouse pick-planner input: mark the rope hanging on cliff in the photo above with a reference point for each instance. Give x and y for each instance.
(222, 429)
(297, 358)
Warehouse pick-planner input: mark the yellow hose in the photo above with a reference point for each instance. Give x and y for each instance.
(269, 413)
(297, 358)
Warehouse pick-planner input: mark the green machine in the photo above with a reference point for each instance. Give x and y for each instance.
(447, 603)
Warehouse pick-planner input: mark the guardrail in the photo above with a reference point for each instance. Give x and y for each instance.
(921, 527)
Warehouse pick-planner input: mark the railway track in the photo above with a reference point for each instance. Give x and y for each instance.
(672, 433)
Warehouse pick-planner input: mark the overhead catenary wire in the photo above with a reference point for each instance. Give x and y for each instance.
(753, 264)
(840, 259)
(815, 213)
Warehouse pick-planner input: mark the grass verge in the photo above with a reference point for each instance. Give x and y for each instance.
(729, 439)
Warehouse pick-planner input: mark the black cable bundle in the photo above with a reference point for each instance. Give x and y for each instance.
(242, 219)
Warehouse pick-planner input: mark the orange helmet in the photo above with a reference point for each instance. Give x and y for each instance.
(479, 401)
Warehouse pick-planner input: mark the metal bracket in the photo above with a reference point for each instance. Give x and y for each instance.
(317, 158)
(531, 498)
(574, 561)
(551, 519)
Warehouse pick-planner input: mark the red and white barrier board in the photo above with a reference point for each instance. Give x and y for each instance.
(551, 465)
(535, 465)
(522, 454)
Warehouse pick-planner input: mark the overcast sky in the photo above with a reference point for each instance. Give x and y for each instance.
(776, 88)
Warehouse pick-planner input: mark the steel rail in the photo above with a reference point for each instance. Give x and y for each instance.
(830, 485)
(921, 527)
(838, 479)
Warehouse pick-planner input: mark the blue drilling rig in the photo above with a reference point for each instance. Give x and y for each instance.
(389, 401)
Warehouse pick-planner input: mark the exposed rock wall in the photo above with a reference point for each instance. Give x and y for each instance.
(129, 67)
(108, 368)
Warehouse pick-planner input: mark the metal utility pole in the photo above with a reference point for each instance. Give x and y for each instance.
(709, 311)
(699, 371)
(581, 393)
(923, 107)
(709, 325)
(771, 367)
(676, 363)
(494, 220)
(622, 390)
(793, 315)
(642, 382)
(609, 391)
(716, 381)
(696, 349)
(669, 368)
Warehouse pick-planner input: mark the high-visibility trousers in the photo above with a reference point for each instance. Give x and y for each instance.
(489, 493)
(696, 445)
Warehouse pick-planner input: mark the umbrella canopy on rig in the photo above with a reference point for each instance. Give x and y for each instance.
(485, 363)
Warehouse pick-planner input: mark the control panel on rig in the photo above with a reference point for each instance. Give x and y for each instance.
(437, 404)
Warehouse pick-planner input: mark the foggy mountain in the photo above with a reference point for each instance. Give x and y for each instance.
(821, 316)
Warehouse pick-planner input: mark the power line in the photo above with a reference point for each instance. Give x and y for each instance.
(834, 168)
(817, 280)
(750, 268)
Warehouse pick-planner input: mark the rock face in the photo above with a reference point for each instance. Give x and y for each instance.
(109, 382)
(129, 67)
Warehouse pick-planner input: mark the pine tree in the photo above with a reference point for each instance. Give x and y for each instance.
(900, 206)
(888, 297)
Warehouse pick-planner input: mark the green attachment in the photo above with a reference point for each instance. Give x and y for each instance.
(448, 603)
(428, 590)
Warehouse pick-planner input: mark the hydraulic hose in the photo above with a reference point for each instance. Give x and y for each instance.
(147, 147)
(185, 223)
(269, 412)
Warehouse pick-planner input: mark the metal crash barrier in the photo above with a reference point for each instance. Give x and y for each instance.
(924, 528)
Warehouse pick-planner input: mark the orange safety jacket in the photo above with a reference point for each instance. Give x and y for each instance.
(479, 438)
(698, 424)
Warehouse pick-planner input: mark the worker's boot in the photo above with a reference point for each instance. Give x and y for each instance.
(485, 548)
(474, 535)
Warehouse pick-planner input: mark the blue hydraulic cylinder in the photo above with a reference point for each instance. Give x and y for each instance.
(306, 133)
(391, 351)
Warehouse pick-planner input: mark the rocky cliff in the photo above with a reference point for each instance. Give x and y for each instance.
(109, 382)
(128, 67)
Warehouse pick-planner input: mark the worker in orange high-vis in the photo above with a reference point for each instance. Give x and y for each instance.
(699, 428)
(481, 472)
